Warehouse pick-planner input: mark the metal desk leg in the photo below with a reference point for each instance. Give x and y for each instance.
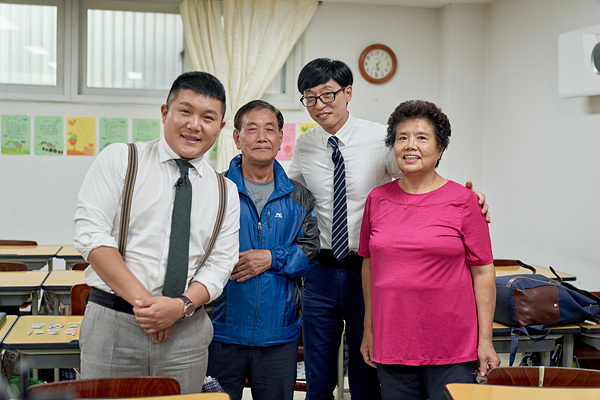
(50, 264)
(34, 302)
(567, 352)
(56, 298)
(340, 374)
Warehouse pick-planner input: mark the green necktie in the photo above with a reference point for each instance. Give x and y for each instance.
(179, 245)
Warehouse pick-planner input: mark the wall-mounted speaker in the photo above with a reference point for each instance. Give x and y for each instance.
(579, 62)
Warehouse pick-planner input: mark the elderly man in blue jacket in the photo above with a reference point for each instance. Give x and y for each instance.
(257, 318)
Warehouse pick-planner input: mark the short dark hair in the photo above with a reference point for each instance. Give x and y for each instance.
(321, 70)
(201, 83)
(254, 105)
(420, 109)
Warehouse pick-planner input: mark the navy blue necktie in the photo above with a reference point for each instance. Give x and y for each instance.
(179, 244)
(339, 228)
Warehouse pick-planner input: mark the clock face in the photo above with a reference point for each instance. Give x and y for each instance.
(378, 63)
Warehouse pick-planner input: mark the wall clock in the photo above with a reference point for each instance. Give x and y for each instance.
(377, 63)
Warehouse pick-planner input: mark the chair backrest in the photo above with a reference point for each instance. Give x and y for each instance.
(13, 266)
(79, 294)
(18, 243)
(80, 266)
(552, 376)
(141, 386)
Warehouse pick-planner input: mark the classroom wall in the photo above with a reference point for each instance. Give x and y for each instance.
(492, 68)
(541, 151)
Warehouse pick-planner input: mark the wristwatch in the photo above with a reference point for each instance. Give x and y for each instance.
(188, 307)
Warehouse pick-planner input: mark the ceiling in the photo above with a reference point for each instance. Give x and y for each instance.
(410, 3)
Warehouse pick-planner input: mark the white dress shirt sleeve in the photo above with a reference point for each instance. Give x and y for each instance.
(99, 200)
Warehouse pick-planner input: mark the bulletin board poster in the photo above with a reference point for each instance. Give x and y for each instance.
(81, 136)
(112, 130)
(48, 136)
(145, 130)
(16, 134)
(212, 152)
(287, 144)
(306, 126)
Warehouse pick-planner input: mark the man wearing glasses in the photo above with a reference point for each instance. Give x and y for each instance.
(340, 162)
(332, 288)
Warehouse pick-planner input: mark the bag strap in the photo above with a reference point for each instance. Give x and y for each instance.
(130, 176)
(514, 338)
(218, 223)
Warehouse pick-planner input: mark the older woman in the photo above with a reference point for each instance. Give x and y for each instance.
(428, 274)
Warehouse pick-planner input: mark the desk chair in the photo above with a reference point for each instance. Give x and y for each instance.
(80, 266)
(13, 266)
(18, 243)
(544, 376)
(79, 294)
(138, 386)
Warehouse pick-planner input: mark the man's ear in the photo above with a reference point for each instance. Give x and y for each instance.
(236, 138)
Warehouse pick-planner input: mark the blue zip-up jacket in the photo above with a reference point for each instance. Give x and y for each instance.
(265, 310)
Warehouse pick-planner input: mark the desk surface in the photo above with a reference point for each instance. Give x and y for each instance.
(63, 280)
(21, 280)
(464, 391)
(20, 339)
(68, 251)
(6, 324)
(518, 270)
(504, 330)
(45, 251)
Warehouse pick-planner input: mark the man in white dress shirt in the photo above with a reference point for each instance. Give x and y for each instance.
(333, 288)
(130, 328)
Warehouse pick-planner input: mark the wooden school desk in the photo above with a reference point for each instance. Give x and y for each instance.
(590, 334)
(6, 322)
(17, 286)
(45, 350)
(518, 270)
(34, 256)
(472, 391)
(59, 284)
(70, 255)
(501, 340)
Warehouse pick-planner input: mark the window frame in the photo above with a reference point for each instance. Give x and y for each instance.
(60, 91)
(82, 93)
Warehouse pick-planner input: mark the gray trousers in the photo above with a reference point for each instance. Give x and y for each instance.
(113, 344)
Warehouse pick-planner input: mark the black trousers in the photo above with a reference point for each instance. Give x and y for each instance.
(422, 382)
(270, 370)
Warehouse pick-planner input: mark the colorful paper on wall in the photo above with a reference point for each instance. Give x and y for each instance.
(287, 144)
(145, 130)
(81, 136)
(16, 134)
(112, 130)
(48, 136)
(212, 152)
(306, 126)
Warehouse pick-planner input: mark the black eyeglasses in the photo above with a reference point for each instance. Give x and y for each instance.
(329, 97)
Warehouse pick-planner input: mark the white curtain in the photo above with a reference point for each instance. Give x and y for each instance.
(245, 45)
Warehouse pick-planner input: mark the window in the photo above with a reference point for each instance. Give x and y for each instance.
(129, 50)
(32, 49)
(283, 92)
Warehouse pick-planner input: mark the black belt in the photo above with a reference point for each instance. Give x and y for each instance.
(351, 261)
(111, 301)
